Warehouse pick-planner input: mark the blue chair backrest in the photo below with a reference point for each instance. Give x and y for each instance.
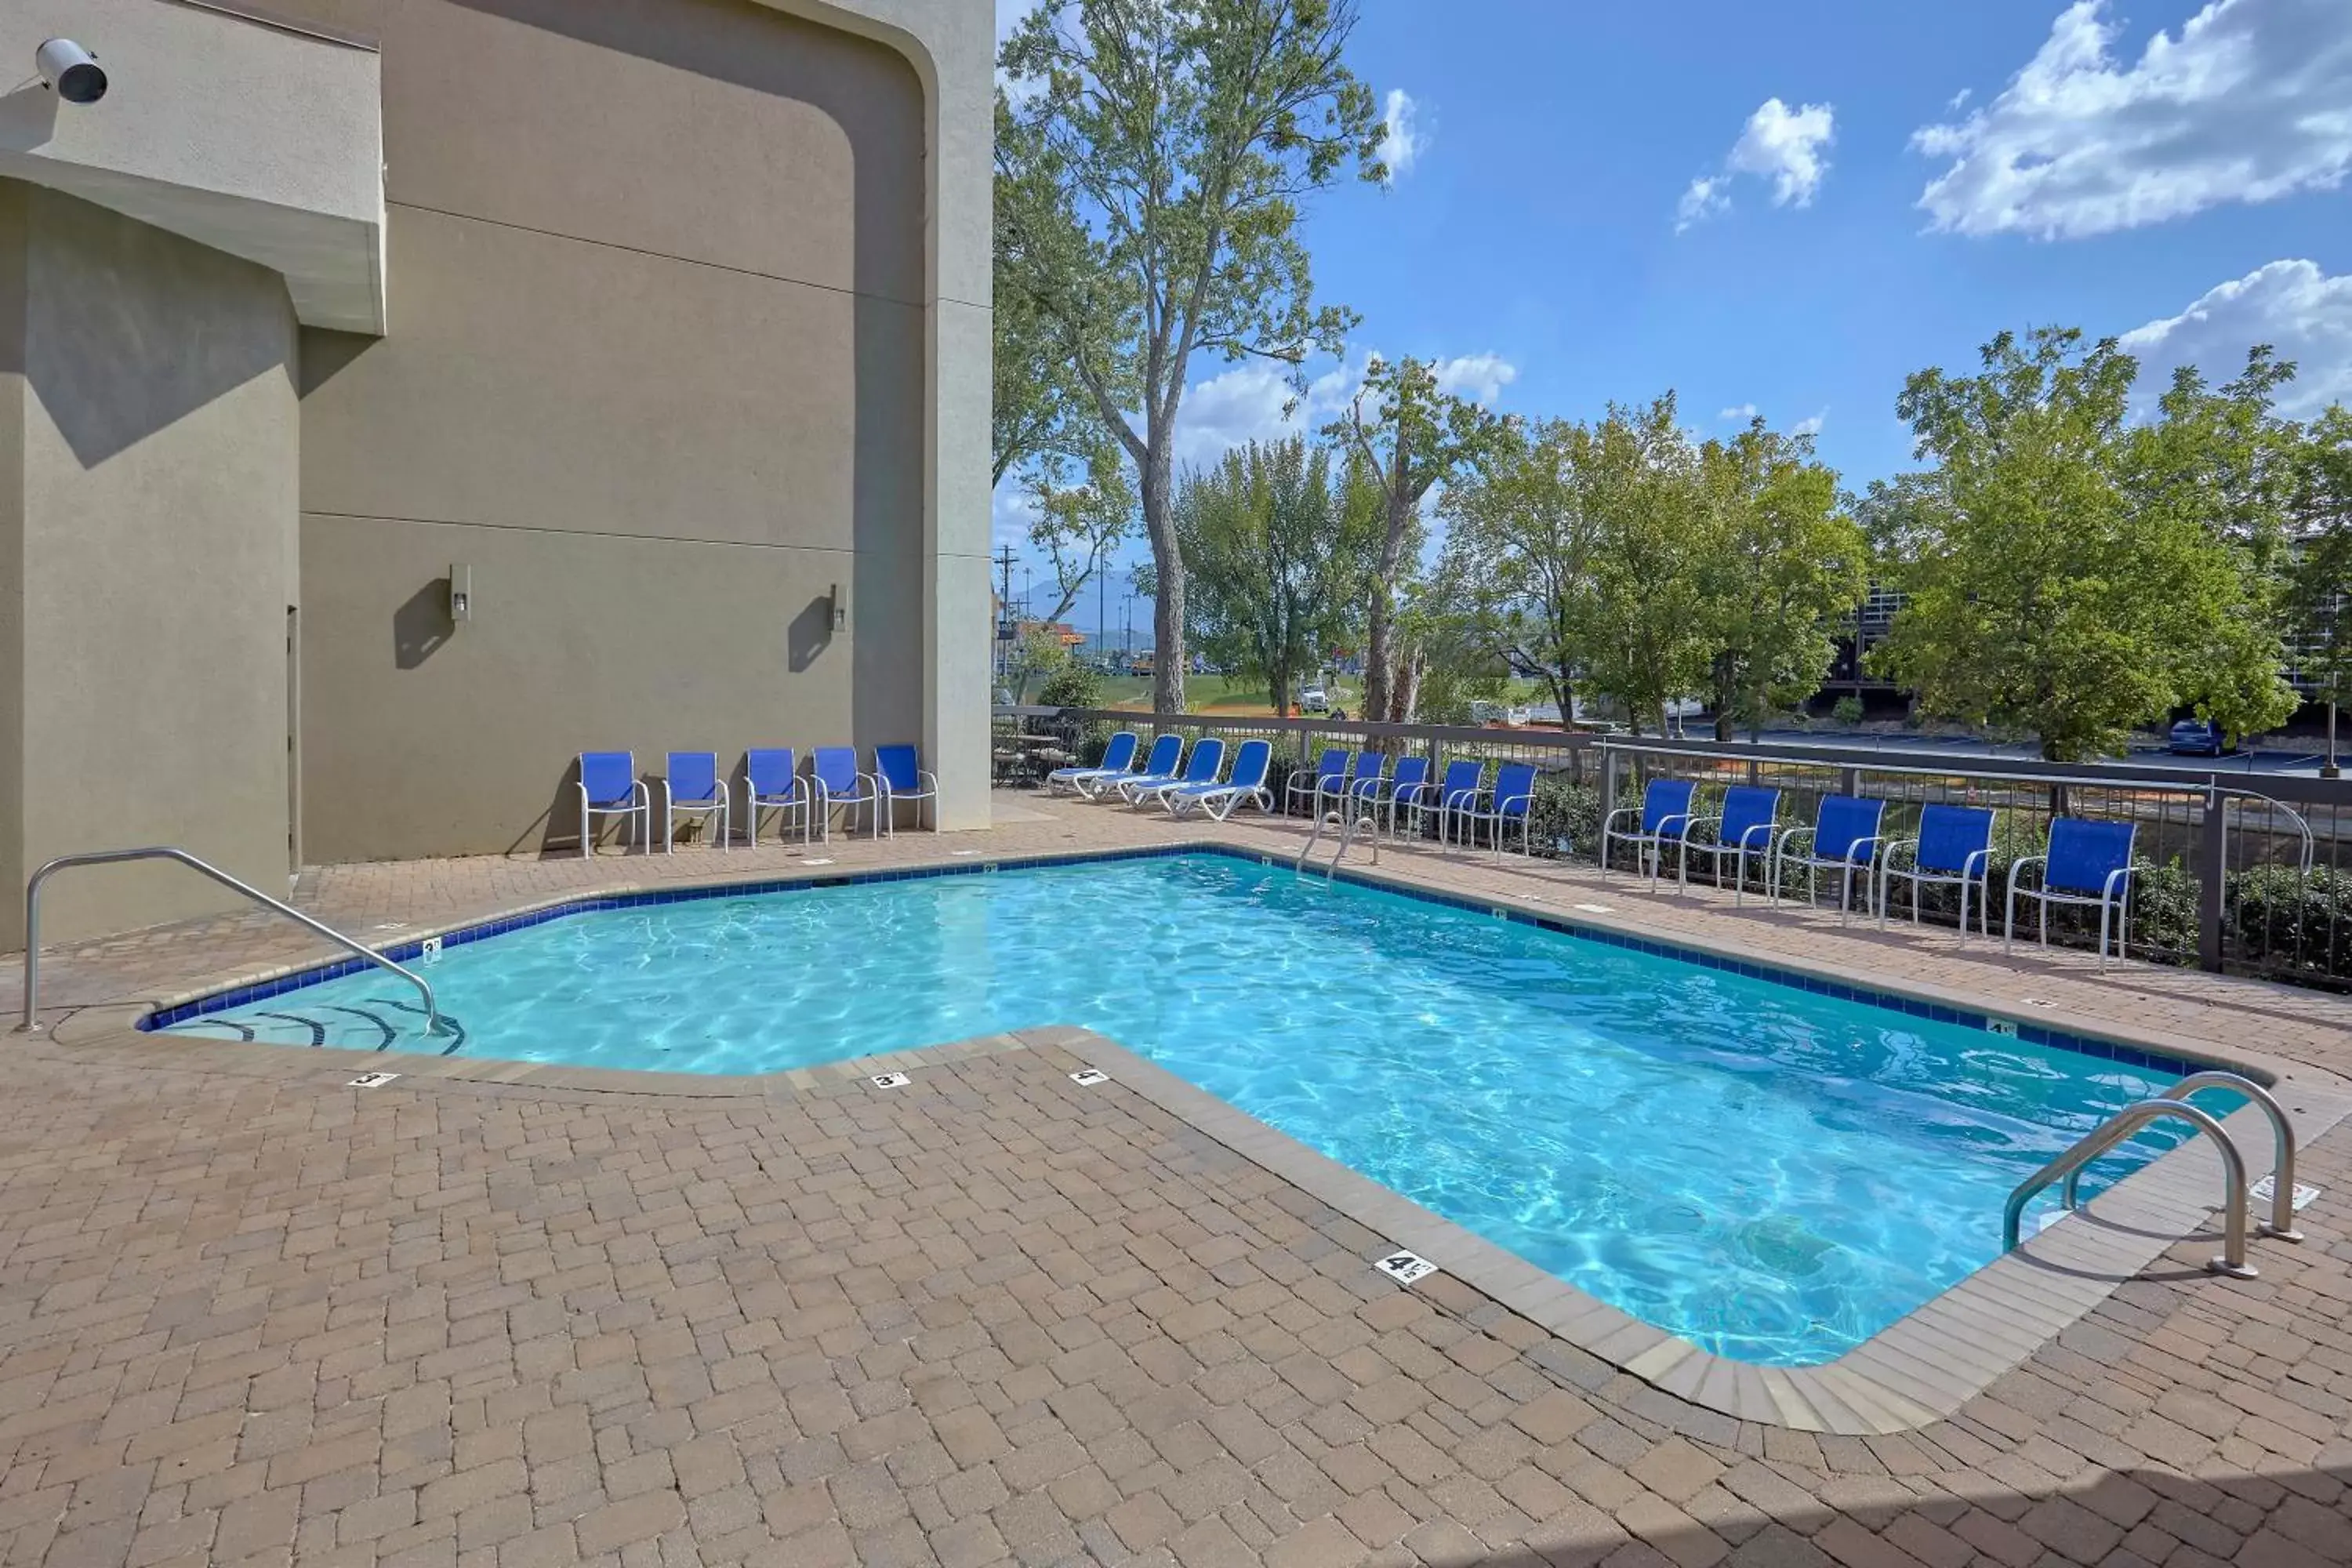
(2084, 854)
(835, 767)
(694, 776)
(1250, 765)
(1515, 788)
(1411, 773)
(1331, 772)
(1165, 750)
(1666, 799)
(1950, 835)
(1745, 809)
(1208, 756)
(1844, 821)
(1370, 768)
(771, 770)
(610, 777)
(1119, 756)
(899, 768)
(1461, 778)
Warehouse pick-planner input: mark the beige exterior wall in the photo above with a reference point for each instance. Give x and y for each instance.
(148, 477)
(662, 371)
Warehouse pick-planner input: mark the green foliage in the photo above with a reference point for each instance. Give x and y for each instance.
(1278, 555)
(1564, 810)
(2074, 575)
(1647, 639)
(2282, 918)
(1149, 181)
(2320, 590)
(1847, 710)
(1072, 684)
(1033, 662)
(1519, 549)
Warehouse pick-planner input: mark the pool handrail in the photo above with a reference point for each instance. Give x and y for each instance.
(2114, 1130)
(2281, 1223)
(168, 852)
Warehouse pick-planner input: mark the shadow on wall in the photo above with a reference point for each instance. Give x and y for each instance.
(886, 673)
(422, 625)
(811, 632)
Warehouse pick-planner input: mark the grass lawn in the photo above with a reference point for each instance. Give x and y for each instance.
(1236, 695)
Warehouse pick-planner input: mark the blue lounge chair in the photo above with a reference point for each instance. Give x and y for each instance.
(1407, 786)
(1247, 787)
(1954, 849)
(1511, 800)
(1207, 760)
(1845, 838)
(609, 786)
(1663, 817)
(771, 782)
(832, 771)
(1118, 757)
(2088, 863)
(690, 787)
(900, 774)
(1328, 776)
(1160, 767)
(1750, 814)
(1458, 789)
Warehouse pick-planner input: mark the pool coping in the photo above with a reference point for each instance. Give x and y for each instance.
(1921, 1368)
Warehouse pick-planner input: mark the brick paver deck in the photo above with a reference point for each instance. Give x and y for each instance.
(249, 1313)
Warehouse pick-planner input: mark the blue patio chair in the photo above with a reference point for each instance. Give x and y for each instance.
(1458, 787)
(2088, 863)
(1954, 849)
(609, 786)
(833, 771)
(1158, 771)
(690, 787)
(1407, 785)
(1369, 788)
(1246, 787)
(1328, 776)
(900, 774)
(1207, 760)
(1511, 800)
(1750, 814)
(1663, 815)
(1845, 838)
(1118, 757)
(771, 782)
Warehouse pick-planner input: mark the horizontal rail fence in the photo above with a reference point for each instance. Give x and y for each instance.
(2248, 872)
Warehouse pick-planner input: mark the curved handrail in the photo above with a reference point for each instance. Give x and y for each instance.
(165, 852)
(2122, 1125)
(2281, 1221)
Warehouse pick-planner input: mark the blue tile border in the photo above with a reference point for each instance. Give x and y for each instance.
(2028, 1033)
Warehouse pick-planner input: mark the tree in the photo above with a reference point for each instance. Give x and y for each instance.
(1519, 556)
(1277, 556)
(1417, 435)
(1077, 525)
(2319, 602)
(2073, 575)
(1782, 563)
(1034, 661)
(1637, 476)
(1149, 203)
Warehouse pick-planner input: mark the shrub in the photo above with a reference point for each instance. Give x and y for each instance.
(1847, 710)
(2284, 919)
(1565, 810)
(1072, 685)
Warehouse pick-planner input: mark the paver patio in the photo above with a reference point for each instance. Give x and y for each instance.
(247, 1312)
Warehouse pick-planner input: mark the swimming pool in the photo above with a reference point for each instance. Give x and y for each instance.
(1774, 1173)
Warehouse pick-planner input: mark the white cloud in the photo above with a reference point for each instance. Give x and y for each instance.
(2250, 101)
(1405, 140)
(1960, 100)
(2293, 305)
(1811, 425)
(1742, 412)
(1478, 377)
(1779, 143)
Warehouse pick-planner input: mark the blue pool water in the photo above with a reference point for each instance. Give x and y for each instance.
(1774, 1173)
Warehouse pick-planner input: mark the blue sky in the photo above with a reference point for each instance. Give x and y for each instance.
(1791, 207)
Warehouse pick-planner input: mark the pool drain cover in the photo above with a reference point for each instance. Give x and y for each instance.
(1406, 1268)
(889, 1081)
(372, 1080)
(1086, 1077)
(2305, 1196)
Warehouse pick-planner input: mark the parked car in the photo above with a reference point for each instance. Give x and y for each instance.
(1314, 700)
(2198, 738)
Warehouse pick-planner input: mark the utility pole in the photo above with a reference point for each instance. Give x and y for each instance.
(1004, 559)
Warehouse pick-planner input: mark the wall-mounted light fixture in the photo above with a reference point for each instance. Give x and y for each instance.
(840, 601)
(461, 592)
(71, 71)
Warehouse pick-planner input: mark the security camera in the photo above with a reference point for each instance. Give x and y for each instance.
(69, 68)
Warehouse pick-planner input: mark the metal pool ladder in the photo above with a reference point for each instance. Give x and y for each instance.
(1349, 822)
(2173, 1103)
(165, 852)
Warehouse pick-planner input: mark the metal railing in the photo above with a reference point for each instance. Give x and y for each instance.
(2114, 1130)
(2281, 1221)
(166, 852)
(2247, 872)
